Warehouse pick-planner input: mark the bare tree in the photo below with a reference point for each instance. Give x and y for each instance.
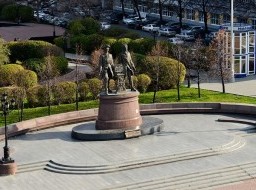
(200, 62)
(186, 57)
(216, 57)
(177, 51)
(158, 50)
(48, 74)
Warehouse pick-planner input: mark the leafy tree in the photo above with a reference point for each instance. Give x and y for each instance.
(85, 26)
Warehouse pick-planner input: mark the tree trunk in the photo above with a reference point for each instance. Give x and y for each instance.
(189, 78)
(198, 84)
(205, 18)
(135, 4)
(180, 14)
(222, 79)
(123, 11)
(160, 6)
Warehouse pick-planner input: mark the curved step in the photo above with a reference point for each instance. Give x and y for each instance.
(198, 180)
(235, 144)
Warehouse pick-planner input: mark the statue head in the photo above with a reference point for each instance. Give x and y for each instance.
(125, 47)
(106, 47)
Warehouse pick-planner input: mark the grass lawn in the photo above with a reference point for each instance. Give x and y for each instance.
(187, 95)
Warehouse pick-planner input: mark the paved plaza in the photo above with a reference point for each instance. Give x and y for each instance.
(193, 151)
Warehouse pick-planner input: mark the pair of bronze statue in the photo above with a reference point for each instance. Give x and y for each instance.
(124, 69)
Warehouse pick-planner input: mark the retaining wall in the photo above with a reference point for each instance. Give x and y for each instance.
(145, 109)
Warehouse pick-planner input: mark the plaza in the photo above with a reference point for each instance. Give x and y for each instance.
(193, 151)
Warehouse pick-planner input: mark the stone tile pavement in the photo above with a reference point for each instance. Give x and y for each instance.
(191, 146)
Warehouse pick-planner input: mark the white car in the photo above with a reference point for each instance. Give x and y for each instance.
(129, 19)
(104, 25)
(166, 32)
(185, 35)
(175, 40)
(150, 27)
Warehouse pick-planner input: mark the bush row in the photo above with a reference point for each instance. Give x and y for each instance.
(24, 50)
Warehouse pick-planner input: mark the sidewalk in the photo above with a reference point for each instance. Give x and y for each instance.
(242, 86)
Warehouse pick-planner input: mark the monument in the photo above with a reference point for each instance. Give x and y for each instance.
(119, 112)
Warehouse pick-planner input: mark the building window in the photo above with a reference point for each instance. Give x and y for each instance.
(190, 14)
(201, 16)
(254, 24)
(226, 18)
(215, 19)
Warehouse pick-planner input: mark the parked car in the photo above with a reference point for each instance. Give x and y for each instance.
(185, 35)
(165, 31)
(129, 19)
(104, 25)
(175, 40)
(150, 27)
(137, 24)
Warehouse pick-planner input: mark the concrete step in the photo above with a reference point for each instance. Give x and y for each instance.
(34, 166)
(235, 144)
(199, 180)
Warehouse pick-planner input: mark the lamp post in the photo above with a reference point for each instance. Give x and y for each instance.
(232, 79)
(54, 32)
(7, 164)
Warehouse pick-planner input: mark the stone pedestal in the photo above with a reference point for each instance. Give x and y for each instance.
(8, 168)
(119, 111)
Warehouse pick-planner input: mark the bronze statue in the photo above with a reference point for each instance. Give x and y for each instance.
(128, 65)
(106, 72)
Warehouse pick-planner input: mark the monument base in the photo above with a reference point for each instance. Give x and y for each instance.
(88, 132)
(119, 111)
(7, 168)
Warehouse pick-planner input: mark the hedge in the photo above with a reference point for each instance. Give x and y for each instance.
(24, 50)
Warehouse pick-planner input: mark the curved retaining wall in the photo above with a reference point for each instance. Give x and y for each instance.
(145, 109)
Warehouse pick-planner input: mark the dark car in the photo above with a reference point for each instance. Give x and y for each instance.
(137, 24)
(115, 18)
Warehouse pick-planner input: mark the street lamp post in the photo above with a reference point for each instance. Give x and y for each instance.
(232, 42)
(7, 164)
(54, 32)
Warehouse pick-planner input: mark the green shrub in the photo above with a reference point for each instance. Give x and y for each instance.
(109, 41)
(117, 46)
(167, 69)
(142, 45)
(32, 96)
(33, 64)
(23, 50)
(61, 64)
(43, 95)
(60, 42)
(130, 34)
(143, 82)
(8, 74)
(135, 81)
(115, 32)
(83, 90)
(64, 92)
(95, 86)
(26, 79)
